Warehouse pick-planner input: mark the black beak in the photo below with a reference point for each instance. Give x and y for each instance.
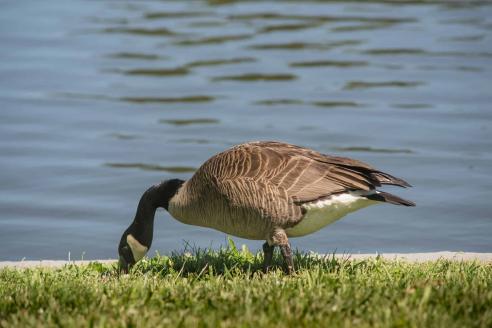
(122, 265)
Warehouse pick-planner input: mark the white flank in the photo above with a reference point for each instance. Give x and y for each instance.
(324, 212)
(138, 249)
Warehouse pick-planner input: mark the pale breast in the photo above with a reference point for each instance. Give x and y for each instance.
(324, 212)
(219, 215)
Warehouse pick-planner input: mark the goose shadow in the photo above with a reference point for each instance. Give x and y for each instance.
(194, 262)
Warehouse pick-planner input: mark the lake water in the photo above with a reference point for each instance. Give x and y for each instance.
(101, 99)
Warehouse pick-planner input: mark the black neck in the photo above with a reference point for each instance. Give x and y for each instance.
(142, 227)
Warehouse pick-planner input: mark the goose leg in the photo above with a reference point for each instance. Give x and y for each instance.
(279, 237)
(267, 257)
(287, 255)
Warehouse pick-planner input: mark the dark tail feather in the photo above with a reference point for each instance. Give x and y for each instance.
(382, 196)
(385, 178)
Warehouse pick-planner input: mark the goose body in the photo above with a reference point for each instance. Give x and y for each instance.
(266, 191)
(253, 222)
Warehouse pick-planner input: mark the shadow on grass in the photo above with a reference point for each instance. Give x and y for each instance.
(230, 261)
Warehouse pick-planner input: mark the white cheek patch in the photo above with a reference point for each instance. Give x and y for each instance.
(138, 250)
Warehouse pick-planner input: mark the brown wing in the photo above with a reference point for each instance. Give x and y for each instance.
(305, 174)
(321, 175)
(279, 173)
(260, 198)
(243, 175)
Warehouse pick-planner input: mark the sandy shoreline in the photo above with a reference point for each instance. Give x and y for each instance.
(411, 257)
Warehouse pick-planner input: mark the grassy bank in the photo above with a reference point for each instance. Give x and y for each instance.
(225, 288)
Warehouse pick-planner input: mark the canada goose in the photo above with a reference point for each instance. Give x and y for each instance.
(264, 191)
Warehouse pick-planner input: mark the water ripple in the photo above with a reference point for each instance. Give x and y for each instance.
(386, 84)
(255, 77)
(422, 52)
(374, 150)
(412, 106)
(187, 99)
(140, 31)
(213, 40)
(287, 27)
(135, 55)
(181, 122)
(320, 18)
(217, 62)
(363, 27)
(332, 63)
(123, 136)
(176, 14)
(274, 102)
(305, 45)
(157, 71)
(152, 167)
(335, 104)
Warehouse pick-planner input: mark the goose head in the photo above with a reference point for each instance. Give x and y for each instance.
(137, 238)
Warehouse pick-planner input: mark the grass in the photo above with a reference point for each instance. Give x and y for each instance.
(208, 288)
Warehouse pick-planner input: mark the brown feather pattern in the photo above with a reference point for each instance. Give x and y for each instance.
(254, 188)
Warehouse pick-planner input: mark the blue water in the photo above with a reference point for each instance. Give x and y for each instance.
(101, 99)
